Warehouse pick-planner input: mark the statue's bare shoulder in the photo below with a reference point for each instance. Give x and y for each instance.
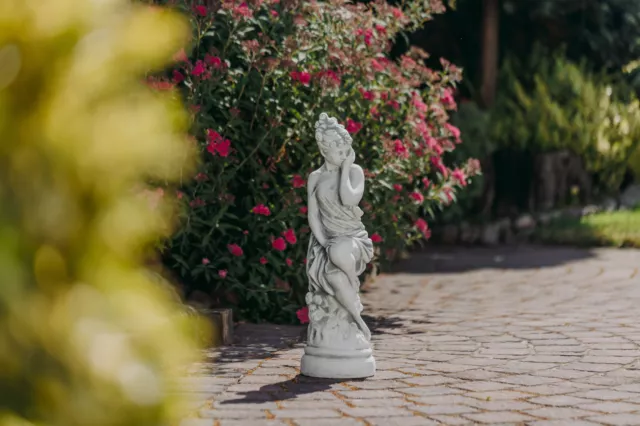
(313, 179)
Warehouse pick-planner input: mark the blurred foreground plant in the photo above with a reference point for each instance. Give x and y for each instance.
(86, 335)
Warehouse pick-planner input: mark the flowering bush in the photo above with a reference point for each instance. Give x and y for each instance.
(256, 78)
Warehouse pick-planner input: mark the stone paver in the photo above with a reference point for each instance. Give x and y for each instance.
(523, 336)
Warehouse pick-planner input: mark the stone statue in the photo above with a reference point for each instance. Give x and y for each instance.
(339, 250)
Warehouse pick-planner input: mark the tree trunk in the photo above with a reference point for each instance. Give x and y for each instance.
(489, 65)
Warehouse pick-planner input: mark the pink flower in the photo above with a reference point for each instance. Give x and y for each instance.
(214, 61)
(279, 244)
(235, 249)
(381, 30)
(448, 192)
(261, 209)
(180, 56)
(201, 10)
(290, 236)
(304, 209)
(447, 99)
(436, 162)
(397, 187)
(376, 238)
(205, 261)
(198, 69)
(426, 182)
(417, 196)
(298, 181)
(274, 13)
(353, 126)
(303, 315)
(377, 66)
(263, 260)
(178, 77)
(458, 176)
(243, 10)
(455, 132)
(422, 226)
(289, 261)
(397, 13)
(222, 273)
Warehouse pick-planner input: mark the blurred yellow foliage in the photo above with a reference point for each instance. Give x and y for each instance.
(87, 337)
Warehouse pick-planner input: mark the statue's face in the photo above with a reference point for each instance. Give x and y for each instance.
(339, 150)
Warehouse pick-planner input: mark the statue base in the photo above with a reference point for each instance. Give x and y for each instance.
(328, 363)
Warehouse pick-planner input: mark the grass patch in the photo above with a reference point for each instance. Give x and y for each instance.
(617, 229)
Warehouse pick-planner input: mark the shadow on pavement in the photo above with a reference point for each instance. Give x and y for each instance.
(288, 389)
(453, 259)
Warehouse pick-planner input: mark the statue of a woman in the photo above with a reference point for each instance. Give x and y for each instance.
(339, 250)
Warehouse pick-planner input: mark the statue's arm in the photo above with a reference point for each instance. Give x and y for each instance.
(313, 213)
(352, 185)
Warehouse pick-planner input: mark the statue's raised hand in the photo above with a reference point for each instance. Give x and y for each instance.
(349, 160)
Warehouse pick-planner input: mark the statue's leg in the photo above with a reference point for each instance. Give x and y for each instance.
(348, 298)
(341, 255)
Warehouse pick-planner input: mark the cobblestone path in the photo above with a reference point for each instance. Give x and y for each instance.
(526, 336)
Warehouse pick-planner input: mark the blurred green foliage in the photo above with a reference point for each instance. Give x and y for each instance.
(87, 337)
(549, 103)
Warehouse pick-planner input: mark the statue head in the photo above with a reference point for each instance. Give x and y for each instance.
(333, 140)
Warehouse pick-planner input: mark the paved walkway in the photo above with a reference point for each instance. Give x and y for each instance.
(527, 336)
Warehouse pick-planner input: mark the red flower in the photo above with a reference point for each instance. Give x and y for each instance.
(205, 261)
(400, 149)
(459, 176)
(263, 260)
(290, 236)
(303, 315)
(214, 61)
(304, 209)
(417, 196)
(217, 144)
(178, 77)
(235, 249)
(261, 209)
(289, 261)
(376, 238)
(426, 182)
(274, 13)
(222, 273)
(367, 94)
(305, 78)
(198, 69)
(297, 181)
(353, 126)
(279, 244)
(397, 187)
(201, 10)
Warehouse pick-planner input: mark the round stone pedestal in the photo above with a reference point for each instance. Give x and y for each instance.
(336, 364)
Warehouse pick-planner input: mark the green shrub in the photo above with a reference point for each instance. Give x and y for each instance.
(549, 103)
(257, 77)
(86, 336)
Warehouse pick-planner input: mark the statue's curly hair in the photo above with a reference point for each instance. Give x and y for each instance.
(325, 124)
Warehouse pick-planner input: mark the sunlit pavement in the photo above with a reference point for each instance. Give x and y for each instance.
(523, 336)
